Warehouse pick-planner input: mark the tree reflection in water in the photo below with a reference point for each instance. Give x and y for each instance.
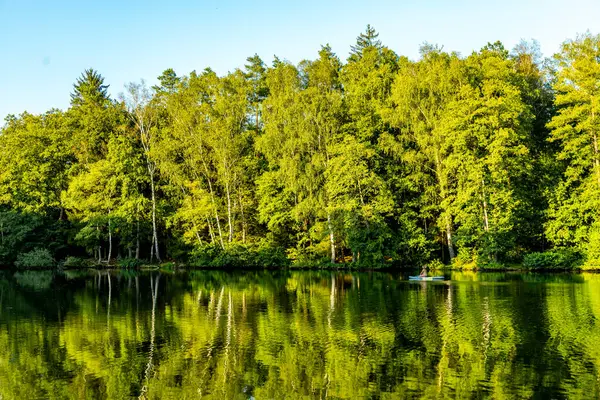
(212, 334)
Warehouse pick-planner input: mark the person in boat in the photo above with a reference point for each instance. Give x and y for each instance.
(423, 271)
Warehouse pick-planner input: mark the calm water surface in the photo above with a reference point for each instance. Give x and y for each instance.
(265, 335)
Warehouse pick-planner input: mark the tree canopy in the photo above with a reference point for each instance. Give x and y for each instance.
(379, 160)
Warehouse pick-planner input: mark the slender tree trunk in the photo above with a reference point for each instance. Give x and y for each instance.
(229, 219)
(210, 230)
(443, 194)
(243, 219)
(257, 110)
(197, 235)
(331, 238)
(486, 224)
(212, 199)
(154, 231)
(196, 232)
(449, 237)
(218, 226)
(109, 240)
(151, 253)
(99, 245)
(137, 240)
(137, 233)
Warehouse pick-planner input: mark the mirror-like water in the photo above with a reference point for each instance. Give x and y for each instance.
(277, 335)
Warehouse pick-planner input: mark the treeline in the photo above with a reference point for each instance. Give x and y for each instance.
(479, 159)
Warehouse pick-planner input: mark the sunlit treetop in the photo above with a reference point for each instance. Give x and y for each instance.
(90, 89)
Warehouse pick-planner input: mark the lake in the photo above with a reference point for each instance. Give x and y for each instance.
(301, 334)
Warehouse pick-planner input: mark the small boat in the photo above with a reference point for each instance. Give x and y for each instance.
(425, 278)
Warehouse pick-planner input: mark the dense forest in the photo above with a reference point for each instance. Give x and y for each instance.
(489, 159)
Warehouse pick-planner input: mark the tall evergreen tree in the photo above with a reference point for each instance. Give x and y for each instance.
(369, 38)
(92, 117)
(89, 89)
(168, 82)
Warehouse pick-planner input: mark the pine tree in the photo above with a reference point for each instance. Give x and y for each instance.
(364, 41)
(92, 117)
(90, 89)
(168, 82)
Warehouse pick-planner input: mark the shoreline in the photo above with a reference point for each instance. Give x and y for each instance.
(341, 267)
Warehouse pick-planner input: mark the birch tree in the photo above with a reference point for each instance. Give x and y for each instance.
(143, 114)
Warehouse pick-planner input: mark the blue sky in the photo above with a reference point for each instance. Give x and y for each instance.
(45, 45)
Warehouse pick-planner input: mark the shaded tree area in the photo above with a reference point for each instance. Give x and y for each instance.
(372, 161)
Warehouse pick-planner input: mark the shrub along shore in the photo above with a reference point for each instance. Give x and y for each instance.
(488, 161)
(549, 261)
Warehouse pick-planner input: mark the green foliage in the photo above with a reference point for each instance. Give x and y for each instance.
(566, 259)
(35, 157)
(307, 257)
(18, 231)
(36, 280)
(436, 265)
(89, 89)
(129, 263)
(36, 258)
(574, 201)
(466, 258)
(592, 248)
(168, 266)
(365, 41)
(238, 256)
(76, 262)
(21, 232)
(371, 162)
(293, 335)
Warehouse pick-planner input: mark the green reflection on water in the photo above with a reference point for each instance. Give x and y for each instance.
(266, 335)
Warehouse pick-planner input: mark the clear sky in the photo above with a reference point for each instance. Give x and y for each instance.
(45, 45)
